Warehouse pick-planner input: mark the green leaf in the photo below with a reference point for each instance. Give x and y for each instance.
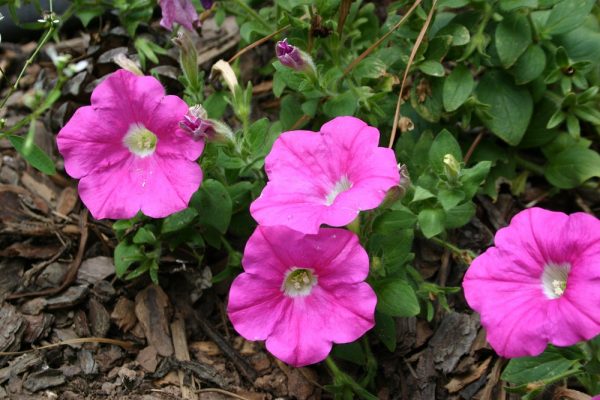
(431, 67)
(352, 352)
(457, 88)
(460, 34)
(342, 104)
(258, 135)
(542, 368)
(573, 166)
(459, 215)
(431, 222)
(213, 204)
(125, 255)
(449, 198)
(144, 235)
(444, 143)
(396, 298)
(33, 155)
(472, 178)
(513, 35)
(391, 221)
(510, 106)
(385, 330)
(179, 220)
(567, 15)
(530, 65)
(421, 194)
(509, 5)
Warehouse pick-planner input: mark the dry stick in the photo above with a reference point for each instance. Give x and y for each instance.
(221, 391)
(257, 43)
(368, 51)
(472, 147)
(121, 343)
(240, 363)
(73, 268)
(410, 61)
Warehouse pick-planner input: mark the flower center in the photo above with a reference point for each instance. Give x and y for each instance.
(554, 279)
(140, 141)
(340, 186)
(298, 282)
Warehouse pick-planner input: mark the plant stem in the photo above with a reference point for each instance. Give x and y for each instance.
(27, 64)
(533, 167)
(466, 255)
(253, 13)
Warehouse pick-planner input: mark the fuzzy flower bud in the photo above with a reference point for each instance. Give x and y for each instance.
(451, 167)
(292, 57)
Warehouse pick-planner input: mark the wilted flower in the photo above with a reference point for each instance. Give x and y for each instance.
(128, 150)
(196, 123)
(292, 57)
(127, 63)
(325, 177)
(223, 68)
(182, 12)
(301, 293)
(540, 284)
(207, 4)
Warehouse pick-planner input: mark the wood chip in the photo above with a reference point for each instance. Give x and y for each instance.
(148, 359)
(99, 318)
(44, 379)
(453, 339)
(123, 314)
(457, 383)
(20, 365)
(72, 296)
(152, 310)
(95, 269)
(66, 201)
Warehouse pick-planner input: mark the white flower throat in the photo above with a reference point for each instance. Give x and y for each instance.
(140, 140)
(298, 282)
(554, 279)
(340, 186)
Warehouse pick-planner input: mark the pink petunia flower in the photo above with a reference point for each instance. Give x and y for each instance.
(540, 284)
(325, 177)
(182, 12)
(302, 292)
(128, 150)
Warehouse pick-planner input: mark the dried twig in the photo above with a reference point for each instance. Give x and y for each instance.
(255, 44)
(241, 364)
(413, 53)
(368, 51)
(121, 343)
(73, 268)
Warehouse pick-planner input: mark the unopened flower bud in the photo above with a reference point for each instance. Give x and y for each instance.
(292, 57)
(188, 56)
(397, 192)
(451, 167)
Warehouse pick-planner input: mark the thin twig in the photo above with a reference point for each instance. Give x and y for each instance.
(73, 268)
(121, 343)
(472, 147)
(240, 363)
(221, 391)
(368, 51)
(413, 53)
(255, 44)
(29, 61)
